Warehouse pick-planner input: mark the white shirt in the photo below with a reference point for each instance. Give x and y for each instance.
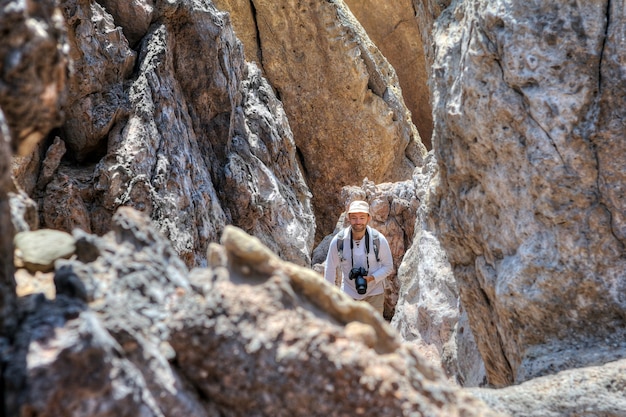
(379, 270)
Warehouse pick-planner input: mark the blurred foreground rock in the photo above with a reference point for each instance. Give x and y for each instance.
(133, 332)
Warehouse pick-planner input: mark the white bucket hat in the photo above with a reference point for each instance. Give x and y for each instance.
(359, 206)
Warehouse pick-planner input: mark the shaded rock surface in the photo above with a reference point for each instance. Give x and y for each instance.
(393, 27)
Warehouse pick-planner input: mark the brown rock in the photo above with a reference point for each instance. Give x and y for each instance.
(34, 53)
(394, 28)
(243, 19)
(342, 99)
(134, 17)
(254, 335)
(102, 60)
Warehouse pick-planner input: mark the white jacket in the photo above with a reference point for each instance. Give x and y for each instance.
(379, 270)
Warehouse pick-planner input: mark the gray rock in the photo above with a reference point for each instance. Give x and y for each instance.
(595, 391)
(526, 203)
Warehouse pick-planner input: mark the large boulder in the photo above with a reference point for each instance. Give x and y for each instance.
(133, 332)
(527, 104)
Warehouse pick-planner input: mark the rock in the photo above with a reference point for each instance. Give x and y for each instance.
(134, 17)
(236, 339)
(51, 162)
(342, 99)
(39, 249)
(526, 168)
(590, 391)
(8, 316)
(28, 283)
(34, 52)
(102, 60)
(243, 19)
(145, 138)
(394, 28)
(427, 312)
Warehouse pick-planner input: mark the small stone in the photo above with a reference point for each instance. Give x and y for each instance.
(39, 249)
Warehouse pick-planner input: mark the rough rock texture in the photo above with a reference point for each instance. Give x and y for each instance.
(426, 14)
(8, 320)
(101, 62)
(132, 332)
(144, 129)
(528, 140)
(392, 207)
(243, 17)
(133, 17)
(394, 28)
(596, 391)
(428, 312)
(33, 69)
(342, 99)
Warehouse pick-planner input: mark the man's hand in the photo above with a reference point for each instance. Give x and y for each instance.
(370, 278)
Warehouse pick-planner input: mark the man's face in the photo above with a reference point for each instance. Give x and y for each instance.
(359, 221)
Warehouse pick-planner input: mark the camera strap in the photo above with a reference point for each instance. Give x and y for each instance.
(367, 249)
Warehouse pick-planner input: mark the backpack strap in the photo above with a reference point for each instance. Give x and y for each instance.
(376, 239)
(340, 237)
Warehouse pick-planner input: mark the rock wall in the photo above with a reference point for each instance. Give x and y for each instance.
(342, 98)
(428, 313)
(394, 28)
(143, 129)
(528, 209)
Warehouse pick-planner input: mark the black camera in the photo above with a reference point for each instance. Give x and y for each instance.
(358, 274)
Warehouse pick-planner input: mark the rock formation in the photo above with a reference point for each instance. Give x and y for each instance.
(139, 133)
(393, 27)
(131, 331)
(529, 211)
(428, 312)
(341, 96)
(158, 137)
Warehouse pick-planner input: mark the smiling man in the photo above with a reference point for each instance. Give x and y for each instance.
(361, 256)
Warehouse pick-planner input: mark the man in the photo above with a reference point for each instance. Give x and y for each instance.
(360, 246)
